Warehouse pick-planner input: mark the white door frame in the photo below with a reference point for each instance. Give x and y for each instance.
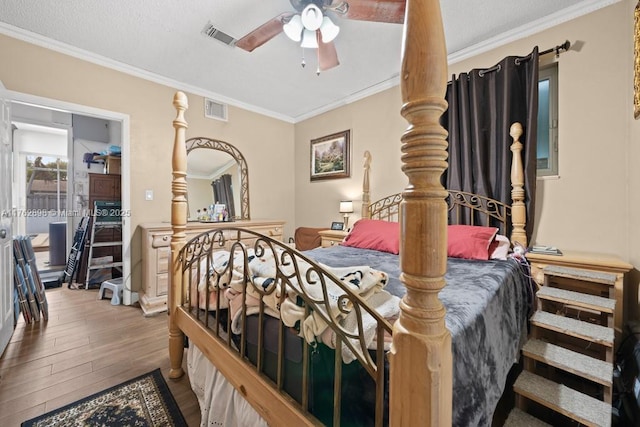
(129, 297)
(6, 225)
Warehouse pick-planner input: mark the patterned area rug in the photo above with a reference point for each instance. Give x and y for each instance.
(142, 401)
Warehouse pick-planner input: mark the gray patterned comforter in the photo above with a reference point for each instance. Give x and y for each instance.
(487, 306)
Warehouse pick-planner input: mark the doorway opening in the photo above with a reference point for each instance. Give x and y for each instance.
(52, 169)
(40, 190)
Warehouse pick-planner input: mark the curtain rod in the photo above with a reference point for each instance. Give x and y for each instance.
(559, 48)
(562, 47)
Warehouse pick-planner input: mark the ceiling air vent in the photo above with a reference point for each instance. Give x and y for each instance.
(215, 110)
(210, 31)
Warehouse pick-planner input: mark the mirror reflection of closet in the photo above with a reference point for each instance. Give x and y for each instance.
(214, 167)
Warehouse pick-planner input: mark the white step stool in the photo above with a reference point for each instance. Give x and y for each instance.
(115, 286)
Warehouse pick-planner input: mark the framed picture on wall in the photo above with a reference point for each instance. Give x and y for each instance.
(330, 156)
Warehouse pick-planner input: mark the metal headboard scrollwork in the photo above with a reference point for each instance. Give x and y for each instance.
(462, 208)
(222, 259)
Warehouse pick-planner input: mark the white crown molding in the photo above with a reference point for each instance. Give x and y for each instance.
(364, 93)
(557, 18)
(526, 30)
(573, 12)
(39, 40)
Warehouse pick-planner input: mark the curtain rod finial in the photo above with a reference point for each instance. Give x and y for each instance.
(563, 47)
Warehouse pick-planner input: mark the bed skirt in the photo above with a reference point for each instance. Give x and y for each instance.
(220, 403)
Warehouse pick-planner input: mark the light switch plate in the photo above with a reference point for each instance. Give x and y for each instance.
(148, 194)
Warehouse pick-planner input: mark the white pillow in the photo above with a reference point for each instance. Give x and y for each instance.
(502, 249)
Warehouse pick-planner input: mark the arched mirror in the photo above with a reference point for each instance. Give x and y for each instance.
(217, 173)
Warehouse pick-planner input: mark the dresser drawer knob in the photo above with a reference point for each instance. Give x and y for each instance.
(274, 232)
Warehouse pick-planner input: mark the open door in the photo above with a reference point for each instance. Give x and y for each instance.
(6, 220)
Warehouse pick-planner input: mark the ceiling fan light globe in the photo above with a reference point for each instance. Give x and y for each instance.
(309, 40)
(311, 17)
(293, 28)
(329, 30)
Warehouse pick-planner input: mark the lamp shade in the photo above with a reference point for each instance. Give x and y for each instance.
(346, 206)
(311, 17)
(309, 39)
(293, 28)
(329, 30)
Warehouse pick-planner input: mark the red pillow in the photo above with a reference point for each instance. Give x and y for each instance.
(470, 241)
(374, 234)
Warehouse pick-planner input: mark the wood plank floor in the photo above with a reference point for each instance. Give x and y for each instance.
(86, 346)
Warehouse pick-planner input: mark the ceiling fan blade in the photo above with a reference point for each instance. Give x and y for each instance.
(327, 54)
(374, 10)
(264, 32)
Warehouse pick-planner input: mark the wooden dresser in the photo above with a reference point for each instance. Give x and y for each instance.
(597, 263)
(156, 238)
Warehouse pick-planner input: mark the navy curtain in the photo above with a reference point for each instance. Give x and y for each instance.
(483, 104)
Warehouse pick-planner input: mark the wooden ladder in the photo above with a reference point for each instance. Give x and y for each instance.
(106, 216)
(568, 359)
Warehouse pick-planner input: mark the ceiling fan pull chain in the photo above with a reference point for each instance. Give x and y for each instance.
(303, 63)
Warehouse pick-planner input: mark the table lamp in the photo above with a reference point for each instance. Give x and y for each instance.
(346, 207)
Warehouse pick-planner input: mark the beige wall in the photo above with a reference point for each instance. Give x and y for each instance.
(584, 208)
(199, 195)
(265, 142)
(592, 206)
(631, 202)
(375, 125)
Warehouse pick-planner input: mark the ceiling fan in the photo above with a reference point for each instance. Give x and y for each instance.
(311, 26)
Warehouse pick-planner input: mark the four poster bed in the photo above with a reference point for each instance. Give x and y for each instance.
(355, 334)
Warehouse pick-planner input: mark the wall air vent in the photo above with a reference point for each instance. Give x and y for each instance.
(210, 31)
(215, 110)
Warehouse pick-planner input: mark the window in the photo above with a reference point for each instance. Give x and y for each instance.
(548, 120)
(46, 191)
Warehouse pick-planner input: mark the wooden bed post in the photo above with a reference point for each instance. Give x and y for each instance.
(518, 210)
(421, 362)
(366, 197)
(179, 225)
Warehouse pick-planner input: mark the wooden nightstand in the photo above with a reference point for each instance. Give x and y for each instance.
(332, 237)
(594, 262)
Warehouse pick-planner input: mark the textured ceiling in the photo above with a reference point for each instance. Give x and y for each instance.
(162, 39)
